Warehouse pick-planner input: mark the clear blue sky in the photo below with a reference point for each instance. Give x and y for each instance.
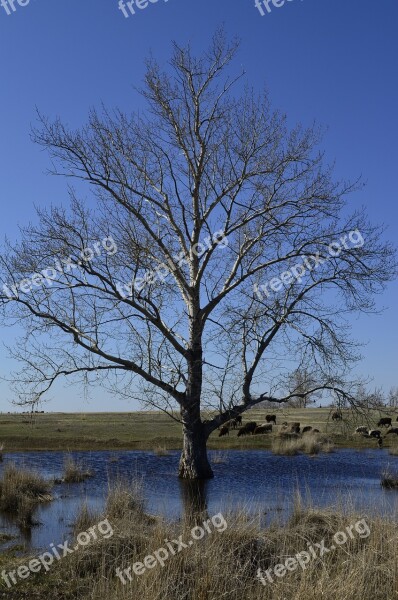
(333, 61)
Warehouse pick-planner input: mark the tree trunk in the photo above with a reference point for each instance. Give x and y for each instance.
(194, 463)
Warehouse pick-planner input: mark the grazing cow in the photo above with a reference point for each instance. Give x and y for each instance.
(361, 429)
(307, 428)
(337, 416)
(316, 431)
(376, 433)
(295, 428)
(392, 430)
(263, 429)
(270, 419)
(248, 428)
(385, 422)
(238, 420)
(224, 430)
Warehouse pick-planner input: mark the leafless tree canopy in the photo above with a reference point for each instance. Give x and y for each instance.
(205, 157)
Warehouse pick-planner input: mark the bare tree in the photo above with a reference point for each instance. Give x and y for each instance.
(301, 383)
(393, 397)
(208, 195)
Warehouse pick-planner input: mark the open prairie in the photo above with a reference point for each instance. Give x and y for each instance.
(147, 430)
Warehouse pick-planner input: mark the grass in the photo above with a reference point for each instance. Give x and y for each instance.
(221, 564)
(21, 492)
(148, 430)
(218, 458)
(388, 480)
(161, 450)
(1, 452)
(310, 443)
(75, 472)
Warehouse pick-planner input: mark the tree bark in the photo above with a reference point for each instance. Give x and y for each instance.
(194, 463)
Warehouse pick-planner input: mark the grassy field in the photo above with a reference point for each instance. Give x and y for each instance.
(151, 430)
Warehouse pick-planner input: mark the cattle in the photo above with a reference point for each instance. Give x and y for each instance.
(361, 429)
(236, 422)
(247, 429)
(385, 422)
(262, 429)
(316, 431)
(337, 416)
(392, 430)
(270, 419)
(295, 428)
(307, 428)
(376, 433)
(224, 430)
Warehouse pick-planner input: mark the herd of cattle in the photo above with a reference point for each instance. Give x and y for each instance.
(252, 428)
(376, 433)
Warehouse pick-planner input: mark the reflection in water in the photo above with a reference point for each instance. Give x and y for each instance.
(194, 500)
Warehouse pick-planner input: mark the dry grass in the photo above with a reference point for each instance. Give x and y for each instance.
(218, 458)
(75, 472)
(161, 451)
(393, 450)
(20, 493)
(223, 564)
(389, 480)
(310, 443)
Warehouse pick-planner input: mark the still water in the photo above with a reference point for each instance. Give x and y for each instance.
(256, 480)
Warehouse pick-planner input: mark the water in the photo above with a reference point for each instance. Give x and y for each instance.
(256, 480)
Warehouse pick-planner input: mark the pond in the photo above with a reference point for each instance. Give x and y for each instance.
(256, 480)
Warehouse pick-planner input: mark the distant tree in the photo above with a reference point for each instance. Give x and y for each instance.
(171, 317)
(302, 382)
(393, 397)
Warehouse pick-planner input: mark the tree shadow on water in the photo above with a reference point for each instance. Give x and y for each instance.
(194, 497)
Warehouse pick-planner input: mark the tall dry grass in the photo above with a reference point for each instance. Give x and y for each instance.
(310, 443)
(224, 565)
(20, 493)
(75, 471)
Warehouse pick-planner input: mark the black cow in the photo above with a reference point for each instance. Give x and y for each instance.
(224, 430)
(248, 428)
(392, 430)
(337, 416)
(263, 429)
(385, 422)
(270, 419)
